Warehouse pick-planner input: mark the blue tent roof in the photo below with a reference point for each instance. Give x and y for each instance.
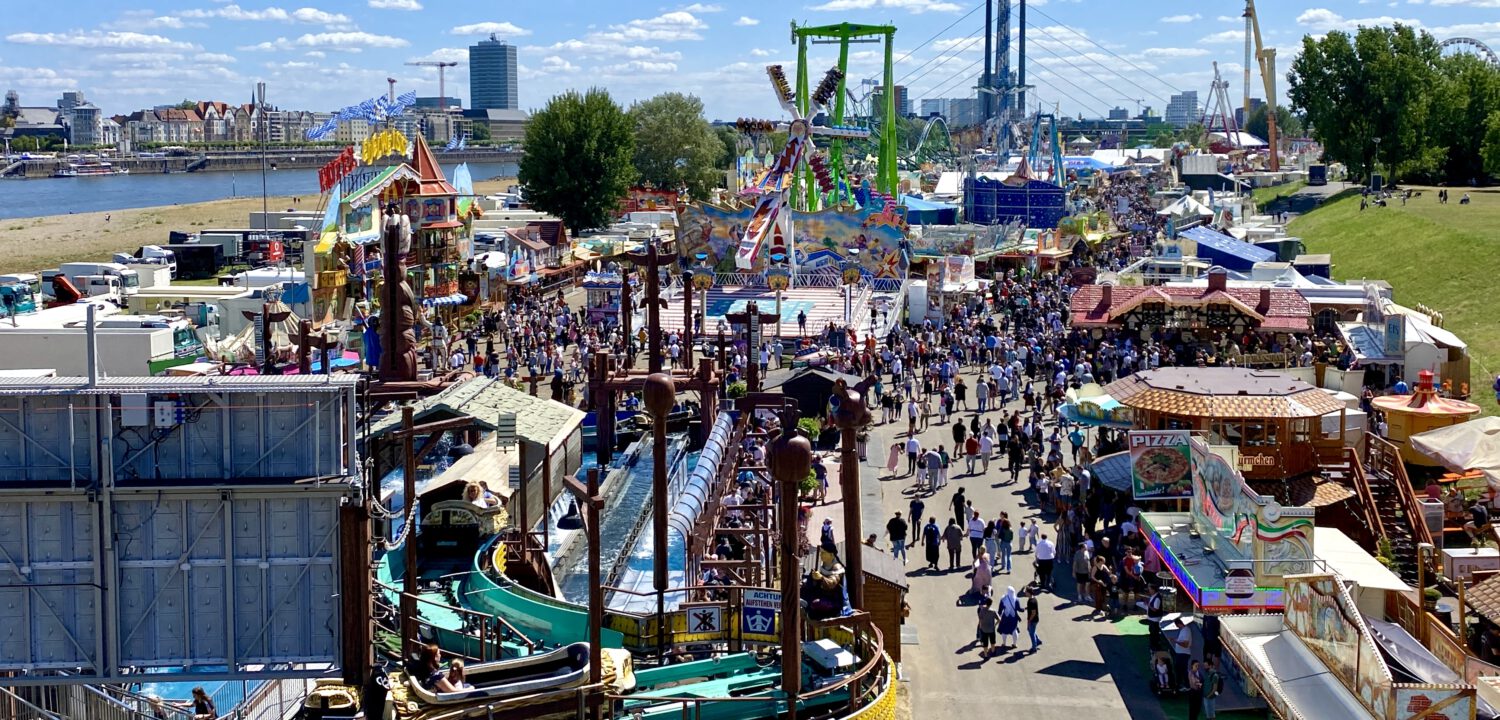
(927, 212)
(1226, 251)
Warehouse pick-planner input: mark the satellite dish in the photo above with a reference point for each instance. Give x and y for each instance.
(1272, 511)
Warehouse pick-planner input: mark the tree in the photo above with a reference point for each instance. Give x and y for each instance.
(577, 161)
(675, 147)
(1490, 149)
(1374, 84)
(186, 105)
(480, 132)
(730, 138)
(1466, 95)
(1287, 124)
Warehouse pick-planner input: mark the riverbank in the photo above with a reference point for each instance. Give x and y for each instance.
(35, 243)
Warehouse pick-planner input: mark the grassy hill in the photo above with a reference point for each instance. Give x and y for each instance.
(1446, 256)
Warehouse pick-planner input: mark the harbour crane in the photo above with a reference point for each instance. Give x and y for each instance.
(442, 86)
(1266, 59)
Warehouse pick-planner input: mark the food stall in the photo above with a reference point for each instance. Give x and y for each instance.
(1273, 420)
(1231, 549)
(1418, 412)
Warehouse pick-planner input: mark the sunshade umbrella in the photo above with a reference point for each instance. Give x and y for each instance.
(1472, 445)
(1177, 621)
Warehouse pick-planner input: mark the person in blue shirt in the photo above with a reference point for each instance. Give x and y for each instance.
(1401, 388)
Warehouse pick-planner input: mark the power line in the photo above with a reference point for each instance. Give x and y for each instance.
(955, 53)
(1112, 53)
(1102, 104)
(946, 55)
(1096, 62)
(958, 79)
(1075, 67)
(935, 35)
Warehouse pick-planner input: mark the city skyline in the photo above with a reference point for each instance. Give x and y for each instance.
(1085, 57)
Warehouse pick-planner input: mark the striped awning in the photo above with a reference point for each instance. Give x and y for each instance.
(454, 299)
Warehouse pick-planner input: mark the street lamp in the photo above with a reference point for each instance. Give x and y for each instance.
(1375, 164)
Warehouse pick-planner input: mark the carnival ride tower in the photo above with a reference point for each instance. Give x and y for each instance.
(884, 116)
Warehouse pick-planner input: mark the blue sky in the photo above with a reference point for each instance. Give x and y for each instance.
(1088, 55)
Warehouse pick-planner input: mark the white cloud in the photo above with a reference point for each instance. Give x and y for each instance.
(1173, 52)
(746, 21)
(215, 58)
(490, 28)
(306, 15)
(913, 6)
(146, 20)
(1181, 18)
(1324, 20)
(96, 39)
(1470, 3)
(757, 52)
(1480, 30)
(315, 54)
(1223, 36)
(38, 78)
(703, 8)
(460, 55)
(604, 50)
(668, 27)
(1230, 18)
(555, 63)
(395, 4)
(343, 41)
(638, 67)
(313, 16)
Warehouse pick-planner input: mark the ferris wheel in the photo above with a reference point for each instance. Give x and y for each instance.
(1472, 46)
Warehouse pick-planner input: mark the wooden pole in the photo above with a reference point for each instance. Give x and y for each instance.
(409, 535)
(687, 320)
(596, 587)
(357, 636)
(791, 460)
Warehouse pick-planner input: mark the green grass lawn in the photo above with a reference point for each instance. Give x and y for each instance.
(1442, 255)
(1267, 195)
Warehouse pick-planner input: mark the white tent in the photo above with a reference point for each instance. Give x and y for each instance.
(1185, 208)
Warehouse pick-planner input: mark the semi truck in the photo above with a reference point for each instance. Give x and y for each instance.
(130, 281)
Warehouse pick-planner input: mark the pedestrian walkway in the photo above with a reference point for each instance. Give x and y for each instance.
(1083, 666)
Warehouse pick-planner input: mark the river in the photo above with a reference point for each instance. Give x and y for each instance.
(51, 196)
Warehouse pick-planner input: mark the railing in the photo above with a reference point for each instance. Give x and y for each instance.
(1385, 459)
(493, 630)
(869, 686)
(1361, 483)
(21, 709)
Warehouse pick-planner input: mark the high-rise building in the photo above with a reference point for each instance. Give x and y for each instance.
(492, 75)
(432, 103)
(935, 106)
(1239, 112)
(1182, 109)
(963, 112)
(70, 99)
(903, 104)
(83, 124)
(1119, 113)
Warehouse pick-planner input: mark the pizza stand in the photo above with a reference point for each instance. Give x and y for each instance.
(1230, 549)
(1274, 421)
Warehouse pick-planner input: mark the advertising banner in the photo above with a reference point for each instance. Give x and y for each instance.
(1160, 464)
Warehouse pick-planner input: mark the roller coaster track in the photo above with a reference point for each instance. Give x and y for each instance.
(923, 153)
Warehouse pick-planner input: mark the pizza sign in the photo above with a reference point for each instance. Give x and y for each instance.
(1160, 464)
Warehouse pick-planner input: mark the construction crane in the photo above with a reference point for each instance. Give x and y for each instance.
(442, 86)
(1266, 59)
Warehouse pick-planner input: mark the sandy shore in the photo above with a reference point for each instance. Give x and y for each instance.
(32, 244)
